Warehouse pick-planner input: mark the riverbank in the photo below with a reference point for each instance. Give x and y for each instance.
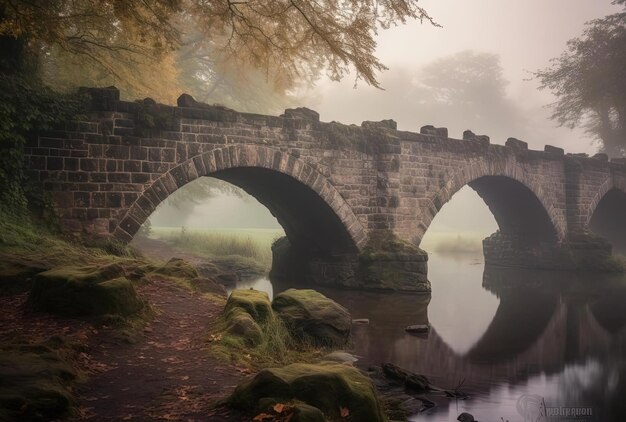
(152, 364)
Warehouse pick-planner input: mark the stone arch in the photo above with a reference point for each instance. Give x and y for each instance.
(606, 212)
(509, 174)
(259, 164)
(608, 185)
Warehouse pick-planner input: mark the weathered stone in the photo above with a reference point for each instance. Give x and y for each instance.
(412, 381)
(465, 417)
(554, 150)
(179, 268)
(312, 317)
(332, 186)
(254, 302)
(468, 134)
(328, 387)
(241, 324)
(75, 291)
(601, 157)
(431, 130)
(389, 263)
(302, 113)
(35, 384)
(582, 252)
(386, 124)
(516, 144)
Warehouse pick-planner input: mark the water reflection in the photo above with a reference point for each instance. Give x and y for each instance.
(508, 334)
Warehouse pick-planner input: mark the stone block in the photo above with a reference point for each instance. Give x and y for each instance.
(516, 144)
(554, 150)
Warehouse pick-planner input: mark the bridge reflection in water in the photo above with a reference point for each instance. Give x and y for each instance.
(504, 333)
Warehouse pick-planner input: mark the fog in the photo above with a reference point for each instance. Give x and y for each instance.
(474, 72)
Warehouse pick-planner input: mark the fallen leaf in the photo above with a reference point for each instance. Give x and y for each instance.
(344, 412)
(279, 407)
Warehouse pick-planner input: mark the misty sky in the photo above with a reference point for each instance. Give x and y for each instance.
(525, 34)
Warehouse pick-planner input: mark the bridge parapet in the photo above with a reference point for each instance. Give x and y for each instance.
(370, 178)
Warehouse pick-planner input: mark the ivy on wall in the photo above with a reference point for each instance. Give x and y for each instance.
(26, 108)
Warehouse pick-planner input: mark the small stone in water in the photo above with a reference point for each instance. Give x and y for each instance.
(417, 329)
(465, 417)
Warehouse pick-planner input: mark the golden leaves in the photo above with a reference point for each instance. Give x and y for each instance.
(142, 45)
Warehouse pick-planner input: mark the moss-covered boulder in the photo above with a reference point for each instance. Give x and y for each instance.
(240, 323)
(76, 291)
(178, 268)
(390, 263)
(16, 273)
(34, 384)
(332, 388)
(207, 285)
(312, 317)
(253, 302)
(304, 413)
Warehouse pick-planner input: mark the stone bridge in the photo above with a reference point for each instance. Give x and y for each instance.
(336, 189)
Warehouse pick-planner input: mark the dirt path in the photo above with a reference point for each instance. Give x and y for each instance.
(168, 374)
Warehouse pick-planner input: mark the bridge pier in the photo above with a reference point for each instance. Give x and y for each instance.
(579, 252)
(386, 263)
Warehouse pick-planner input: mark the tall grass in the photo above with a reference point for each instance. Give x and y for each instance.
(222, 243)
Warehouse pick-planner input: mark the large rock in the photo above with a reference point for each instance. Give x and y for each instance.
(208, 285)
(390, 263)
(75, 291)
(253, 302)
(240, 324)
(178, 268)
(17, 273)
(34, 384)
(329, 387)
(313, 317)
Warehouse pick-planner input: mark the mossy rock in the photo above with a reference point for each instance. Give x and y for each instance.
(77, 291)
(240, 324)
(16, 276)
(34, 384)
(305, 413)
(295, 412)
(207, 285)
(328, 387)
(313, 317)
(390, 263)
(178, 268)
(254, 302)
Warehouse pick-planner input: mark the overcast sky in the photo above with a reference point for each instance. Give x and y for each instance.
(526, 34)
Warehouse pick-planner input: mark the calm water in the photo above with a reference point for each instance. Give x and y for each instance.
(514, 338)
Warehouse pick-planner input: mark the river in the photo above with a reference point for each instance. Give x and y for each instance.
(519, 342)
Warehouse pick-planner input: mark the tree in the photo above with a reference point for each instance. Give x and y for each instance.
(468, 90)
(589, 81)
(288, 39)
(249, 54)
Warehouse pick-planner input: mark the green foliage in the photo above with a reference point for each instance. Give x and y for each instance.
(220, 244)
(589, 81)
(26, 107)
(250, 333)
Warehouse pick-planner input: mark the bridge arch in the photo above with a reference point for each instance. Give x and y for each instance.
(518, 203)
(310, 209)
(605, 215)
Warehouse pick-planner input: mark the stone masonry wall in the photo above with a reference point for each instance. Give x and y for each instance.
(374, 176)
